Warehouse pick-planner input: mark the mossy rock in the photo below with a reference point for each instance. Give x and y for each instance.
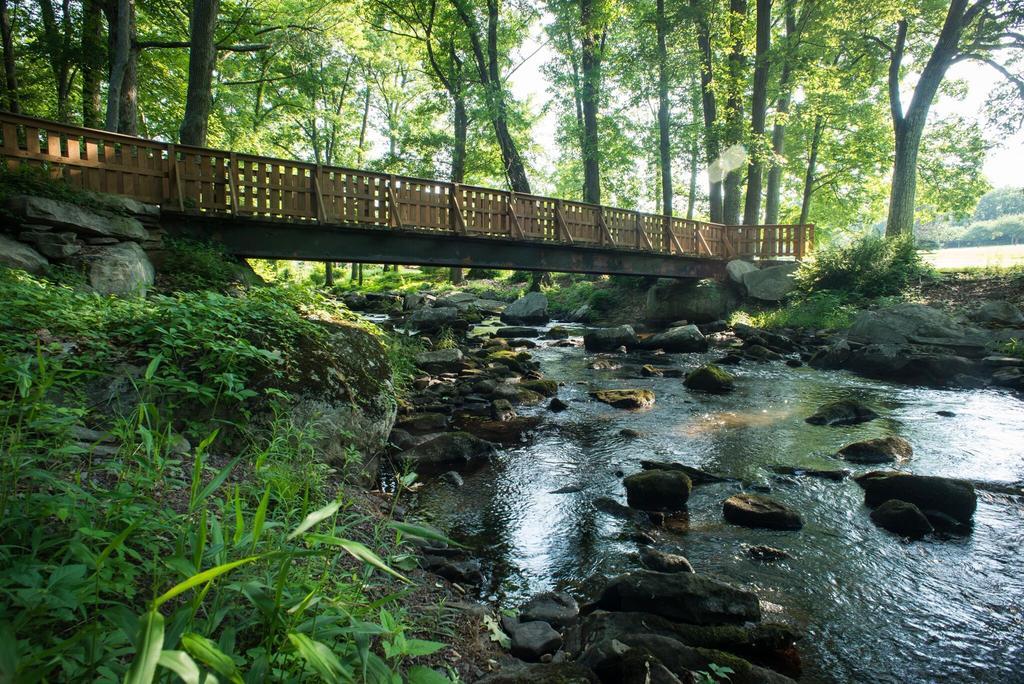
(526, 397)
(710, 378)
(625, 398)
(547, 388)
(755, 510)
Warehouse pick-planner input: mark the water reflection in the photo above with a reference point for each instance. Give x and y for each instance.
(874, 609)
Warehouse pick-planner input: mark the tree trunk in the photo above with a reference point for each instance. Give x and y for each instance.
(328, 274)
(812, 164)
(771, 210)
(490, 76)
(56, 39)
(710, 109)
(92, 62)
(734, 109)
(664, 123)
(461, 125)
(362, 130)
(202, 56)
(128, 109)
(10, 72)
(120, 47)
(908, 127)
(590, 94)
(758, 109)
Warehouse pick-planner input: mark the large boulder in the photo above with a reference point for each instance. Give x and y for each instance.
(955, 498)
(609, 339)
(771, 284)
(122, 269)
(451, 450)
(842, 412)
(625, 398)
(909, 363)
(913, 324)
(556, 608)
(902, 518)
(343, 395)
(541, 673)
(658, 490)
(684, 338)
(755, 510)
(606, 657)
(737, 268)
(533, 640)
(710, 378)
(15, 254)
(81, 220)
(997, 312)
(680, 597)
(530, 309)
(696, 301)
(880, 450)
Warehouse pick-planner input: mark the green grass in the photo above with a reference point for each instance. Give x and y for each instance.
(990, 257)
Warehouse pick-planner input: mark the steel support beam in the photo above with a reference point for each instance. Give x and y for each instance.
(274, 239)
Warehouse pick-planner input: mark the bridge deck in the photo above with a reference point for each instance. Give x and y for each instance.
(276, 208)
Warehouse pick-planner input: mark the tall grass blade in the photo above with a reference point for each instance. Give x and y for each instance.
(315, 517)
(320, 658)
(196, 580)
(180, 664)
(208, 653)
(359, 552)
(149, 642)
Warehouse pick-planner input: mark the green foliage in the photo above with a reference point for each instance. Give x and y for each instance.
(1000, 202)
(402, 352)
(126, 558)
(826, 310)
(1014, 347)
(868, 267)
(566, 298)
(190, 265)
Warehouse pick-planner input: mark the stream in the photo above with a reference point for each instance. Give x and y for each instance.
(873, 608)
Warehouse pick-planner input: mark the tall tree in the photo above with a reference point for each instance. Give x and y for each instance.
(58, 37)
(787, 58)
(202, 57)
(592, 38)
(758, 112)
(736, 89)
(709, 106)
(980, 31)
(93, 59)
(664, 112)
(10, 71)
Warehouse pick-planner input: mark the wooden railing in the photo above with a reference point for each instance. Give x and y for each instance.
(184, 178)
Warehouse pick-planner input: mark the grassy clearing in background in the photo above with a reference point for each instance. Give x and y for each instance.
(995, 256)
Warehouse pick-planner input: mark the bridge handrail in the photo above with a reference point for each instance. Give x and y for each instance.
(188, 178)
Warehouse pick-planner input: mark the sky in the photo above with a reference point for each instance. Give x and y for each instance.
(1002, 167)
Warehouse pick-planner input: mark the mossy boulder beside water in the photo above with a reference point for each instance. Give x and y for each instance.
(658, 490)
(710, 378)
(625, 398)
(680, 597)
(881, 450)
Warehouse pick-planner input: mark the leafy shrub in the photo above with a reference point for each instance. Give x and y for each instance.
(870, 267)
(190, 265)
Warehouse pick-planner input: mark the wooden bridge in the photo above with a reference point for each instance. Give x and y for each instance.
(276, 208)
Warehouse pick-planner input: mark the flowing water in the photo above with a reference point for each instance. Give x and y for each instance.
(873, 608)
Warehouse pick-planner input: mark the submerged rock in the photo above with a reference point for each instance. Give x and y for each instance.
(766, 554)
(756, 510)
(842, 412)
(902, 518)
(952, 497)
(658, 490)
(680, 597)
(710, 378)
(662, 561)
(625, 398)
(696, 475)
(881, 450)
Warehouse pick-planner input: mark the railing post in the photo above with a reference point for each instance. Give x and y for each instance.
(456, 218)
(394, 217)
(517, 227)
(318, 197)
